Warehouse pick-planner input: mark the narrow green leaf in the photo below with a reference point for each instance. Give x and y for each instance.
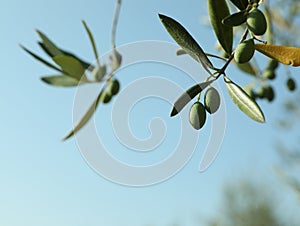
(49, 46)
(241, 4)
(85, 64)
(88, 31)
(235, 19)
(244, 102)
(218, 10)
(185, 40)
(70, 65)
(188, 96)
(86, 117)
(60, 80)
(247, 68)
(41, 59)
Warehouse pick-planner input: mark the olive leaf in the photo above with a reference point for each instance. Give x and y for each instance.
(88, 31)
(70, 66)
(218, 10)
(185, 40)
(284, 54)
(48, 45)
(188, 96)
(235, 19)
(241, 4)
(86, 117)
(41, 59)
(247, 68)
(52, 50)
(60, 80)
(244, 102)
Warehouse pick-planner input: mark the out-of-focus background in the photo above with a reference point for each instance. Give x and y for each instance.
(47, 182)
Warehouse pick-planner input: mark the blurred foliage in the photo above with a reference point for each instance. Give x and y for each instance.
(247, 204)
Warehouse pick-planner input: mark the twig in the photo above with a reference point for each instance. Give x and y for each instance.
(115, 23)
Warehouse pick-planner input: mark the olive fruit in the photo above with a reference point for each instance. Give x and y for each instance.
(244, 51)
(269, 74)
(113, 86)
(197, 115)
(261, 93)
(291, 84)
(211, 100)
(105, 97)
(269, 93)
(273, 64)
(257, 22)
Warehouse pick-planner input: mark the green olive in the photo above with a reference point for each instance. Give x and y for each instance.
(197, 115)
(106, 97)
(269, 93)
(211, 100)
(291, 84)
(257, 22)
(113, 86)
(244, 51)
(273, 64)
(261, 93)
(269, 74)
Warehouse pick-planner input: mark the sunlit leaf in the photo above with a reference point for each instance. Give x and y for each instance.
(185, 40)
(218, 10)
(49, 46)
(85, 64)
(70, 65)
(241, 4)
(284, 54)
(91, 39)
(86, 117)
(60, 80)
(41, 59)
(235, 19)
(247, 68)
(244, 102)
(188, 96)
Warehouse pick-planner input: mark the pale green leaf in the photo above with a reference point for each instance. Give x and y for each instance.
(88, 31)
(60, 80)
(218, 10)
(70, 65)
(188, 96)
(247, 68)
(86, 117)
(244, 102)
(185, 40)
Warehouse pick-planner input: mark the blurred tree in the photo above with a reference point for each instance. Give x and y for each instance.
(244, 204)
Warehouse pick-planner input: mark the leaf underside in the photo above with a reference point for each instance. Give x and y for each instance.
(244, 102)
(86, 117)
(60, 80)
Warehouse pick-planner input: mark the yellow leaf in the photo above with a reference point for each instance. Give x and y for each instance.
(284, 54)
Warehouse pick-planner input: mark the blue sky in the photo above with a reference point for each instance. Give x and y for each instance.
(47, 182)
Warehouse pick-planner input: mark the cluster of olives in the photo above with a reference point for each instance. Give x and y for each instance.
(111, 89)
(257, 25)
(269, 72)
(197, 116)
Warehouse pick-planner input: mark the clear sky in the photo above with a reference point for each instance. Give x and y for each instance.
(47, 182)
